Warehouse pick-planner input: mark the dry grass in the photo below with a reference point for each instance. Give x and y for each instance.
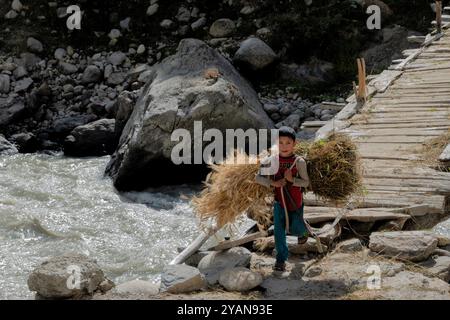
(433, 148)
(230, 189)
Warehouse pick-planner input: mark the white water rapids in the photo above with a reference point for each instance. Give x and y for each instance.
(51, 204)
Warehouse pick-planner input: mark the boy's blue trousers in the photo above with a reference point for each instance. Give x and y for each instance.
(297, 227)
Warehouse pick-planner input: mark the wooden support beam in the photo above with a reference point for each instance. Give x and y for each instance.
(439, 16)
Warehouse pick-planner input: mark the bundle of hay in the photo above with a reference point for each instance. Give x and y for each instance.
(333, 169)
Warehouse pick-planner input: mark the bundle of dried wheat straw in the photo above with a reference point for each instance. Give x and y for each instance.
(230, 189)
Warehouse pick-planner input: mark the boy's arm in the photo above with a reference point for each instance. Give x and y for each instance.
(303, 180)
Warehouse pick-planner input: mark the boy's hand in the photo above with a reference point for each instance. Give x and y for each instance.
(288, 176)
(279, 183)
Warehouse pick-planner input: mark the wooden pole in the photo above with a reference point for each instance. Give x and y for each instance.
(439, 16)
(193, 247)
(361, 90)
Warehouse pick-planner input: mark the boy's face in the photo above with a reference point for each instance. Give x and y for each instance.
(286, 146)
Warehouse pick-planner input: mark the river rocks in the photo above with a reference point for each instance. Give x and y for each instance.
(55, 278)
(167, 24)
(178, 95)
(13, 112)
(93, 139)
(151, 10)
(5, 83)
(239, 279)
(34, 45)
(198, 23)
(214, 263)
(20, 72)
(140, 49)
(350, 245)
(6, 147)
(67, 68)
(439, 266)
(183, 15)
(60, 54)
(11, 15)
(254, 54)
(137, 287)
(116, 78)
(222, 28)
(408, 245)
(23, 85)
(17, 5)
(25, 141)
(313, 73)
(182, 279)
(91, 74)
(293, 246)
(66, 123)
(117, 58)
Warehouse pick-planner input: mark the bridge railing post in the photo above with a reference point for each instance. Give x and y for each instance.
(439, 16)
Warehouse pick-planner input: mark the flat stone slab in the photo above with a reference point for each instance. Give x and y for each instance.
(407, 245)
(445, 155)
(182, 279)
(439, 266)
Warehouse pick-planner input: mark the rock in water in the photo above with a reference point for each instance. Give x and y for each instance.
(239, 279)
(6, 147)
(177, 94)
(182, 279)
(93, 139)
(53, 278)
(254, 54)
(408, 245)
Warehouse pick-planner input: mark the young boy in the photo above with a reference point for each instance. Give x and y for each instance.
(290, 178)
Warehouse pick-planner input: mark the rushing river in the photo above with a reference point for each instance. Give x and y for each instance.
(51, 205)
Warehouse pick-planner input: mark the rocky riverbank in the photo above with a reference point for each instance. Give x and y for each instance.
(56, 84)
(390, 265)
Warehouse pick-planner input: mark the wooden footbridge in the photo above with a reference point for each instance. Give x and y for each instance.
(407, 107)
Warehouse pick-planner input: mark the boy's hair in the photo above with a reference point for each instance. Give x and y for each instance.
(287, 132)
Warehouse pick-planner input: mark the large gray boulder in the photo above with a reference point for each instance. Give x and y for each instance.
(182, 279)
(407, 245)
(216, 262)
(66, 276)
(93, 139)
(179, 92)
(254, 54)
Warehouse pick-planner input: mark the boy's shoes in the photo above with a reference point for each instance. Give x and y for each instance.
(279, 266)
(302, 239)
